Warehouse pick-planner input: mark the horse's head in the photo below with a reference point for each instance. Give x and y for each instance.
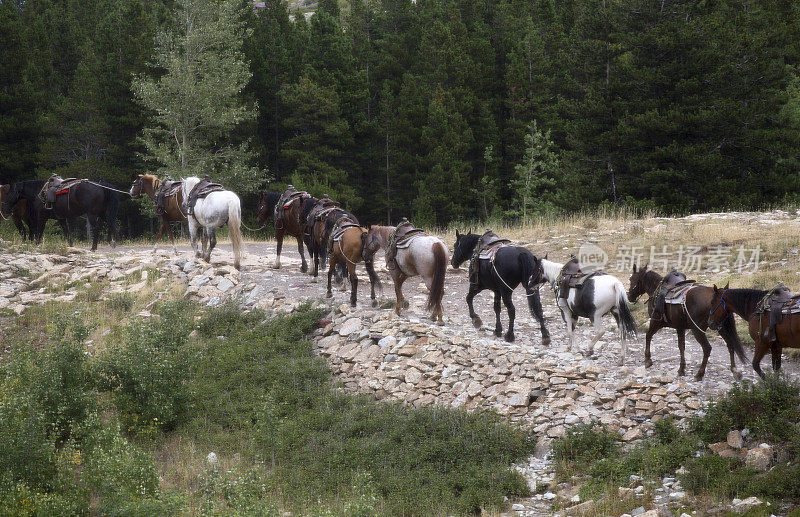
(369, 244)
(463, 248)
(637, 283)
(266, 206)
(719, 307)
(136, 186)
(537, 277)
(10, 196)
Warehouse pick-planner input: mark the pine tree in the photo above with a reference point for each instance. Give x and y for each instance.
(536, 173)
(197, 100)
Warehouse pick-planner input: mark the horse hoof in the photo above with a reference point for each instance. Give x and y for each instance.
(621, 361)
(374, 303)
(509, 338)
(737, 375)
(276, 265)
(648, 363)
(476, 322)
(498, 332)
(314, 280)
(329, 295)
(406, 305)
(546, 341)
(352, 304)
(681, 373)
(440, 322)
(699, 376)
(303, 269)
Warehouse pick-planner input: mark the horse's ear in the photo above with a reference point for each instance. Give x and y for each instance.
(727, 285)
(368, 226)
(545, 255)
(715, 288)
(634, 268)
(645, 267)
(457, 234)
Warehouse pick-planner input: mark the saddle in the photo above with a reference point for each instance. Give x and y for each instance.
(572, 277)
(56, 186)
(341, 226)
(401, 238)
(676, 294)
(201, 190)
(486, 249)
(285, 201)
(167, 189)
(777, 302)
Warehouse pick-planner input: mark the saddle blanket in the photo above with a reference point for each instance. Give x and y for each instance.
(172, 188)
(489, 253)
(677, 294)
(337, 233)
(64, 186)
(790, 307)
(322, 214)
(406, 240)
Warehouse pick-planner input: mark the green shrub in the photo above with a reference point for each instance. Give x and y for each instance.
(149, 373)
(120, 302)
(583, 445)
(769, 408)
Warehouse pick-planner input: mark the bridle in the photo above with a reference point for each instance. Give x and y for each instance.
(718, 305)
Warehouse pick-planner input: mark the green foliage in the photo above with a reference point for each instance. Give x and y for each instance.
(196, 101)
(148, 373)
(535, 175)
(769, 408)
(581, 446)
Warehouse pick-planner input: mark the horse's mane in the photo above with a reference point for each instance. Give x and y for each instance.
(651, 278)
(308, 205)
(745, 299)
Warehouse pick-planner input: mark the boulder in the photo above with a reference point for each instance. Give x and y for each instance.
(759, 458)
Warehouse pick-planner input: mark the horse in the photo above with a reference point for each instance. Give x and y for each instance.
(172, 212)
(348, 248)
(316, 233)
(20, 214)
(210, 212)
(512, 266)
(288, 220)
(596, 297)
(690, 315)
(23, 192)
(425, 256)
(745, 303)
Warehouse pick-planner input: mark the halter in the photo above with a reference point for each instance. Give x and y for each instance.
(721, 303)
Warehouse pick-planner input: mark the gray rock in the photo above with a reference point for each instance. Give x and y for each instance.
(349, 326)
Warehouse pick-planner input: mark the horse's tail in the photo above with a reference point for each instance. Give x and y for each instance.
(235, 230)
(373, 276)
(439, 271)
(527, 266)
(112, 208)
(728, 332)
(625, 316)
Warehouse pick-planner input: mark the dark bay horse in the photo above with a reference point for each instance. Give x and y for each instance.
(20, 214)
(24, 192)
(512, 266)
(288, 220)
(94, 200)
(691, 315)
(173, 211)
(317, 231)
(725, 302)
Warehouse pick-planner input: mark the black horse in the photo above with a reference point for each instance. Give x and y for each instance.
(27, 190)
(512, 266)
(91, 199)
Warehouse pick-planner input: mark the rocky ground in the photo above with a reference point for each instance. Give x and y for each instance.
(409, 359)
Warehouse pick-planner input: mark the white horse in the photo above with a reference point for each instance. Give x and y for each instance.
(211, 212)
(598, 296)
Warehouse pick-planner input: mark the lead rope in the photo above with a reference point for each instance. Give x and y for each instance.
(683, 304)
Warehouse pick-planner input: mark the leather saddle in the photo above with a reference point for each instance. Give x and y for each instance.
(676, 293)
(56, 186)
(201, 190)
(486, 249)
(288, 197)
(777, 302)
(404, 234)
(167, 189)
(341, 226)
(572, 276)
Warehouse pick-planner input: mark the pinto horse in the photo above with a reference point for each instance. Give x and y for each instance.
(596, 297)
(744, 302)
(288, 220)
(17, 194)
(512, 266)
(690, 315)
(210, 212)
(348, 248)
(149, 184)
(425, 256)
(20, 214)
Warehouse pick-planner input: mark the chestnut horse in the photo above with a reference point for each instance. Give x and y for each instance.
(348, 248)
(425, 256)
(18, 213)
(289, 220)
(691, 315)
(149, 184)
(745, 302)
(316, 236)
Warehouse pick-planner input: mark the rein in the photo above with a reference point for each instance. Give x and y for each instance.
(721, 303)
(255, 230)
(108, 188)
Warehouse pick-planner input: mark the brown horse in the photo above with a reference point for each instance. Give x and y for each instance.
(690, 315)
(288, 219)
(725, 302)
(348, 248)
(149, 184)
(425, 256)
(19, 214)
(317, 231)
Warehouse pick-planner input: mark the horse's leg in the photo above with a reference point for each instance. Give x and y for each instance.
(775, 351)
(304, 266)
(623, 340)
(193, 235)
(703, 340)
(279, 237)
(212, 241)
(351, 273)
(331, 267)
(94, 229)
(473, 290)
(168, 226)
(682, 350)
(111, 221)
(654, 327)
(599, 330)
(65, 228)
(398, 278)
(204, 242)
(535, 304)
(498, 325)
(161, 233)
(512, 312)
